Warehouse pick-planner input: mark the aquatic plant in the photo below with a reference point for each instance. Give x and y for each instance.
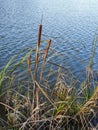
(33, 104)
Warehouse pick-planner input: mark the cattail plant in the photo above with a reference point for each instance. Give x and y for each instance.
(35, 91)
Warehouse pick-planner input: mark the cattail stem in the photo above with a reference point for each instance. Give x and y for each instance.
(35, 97)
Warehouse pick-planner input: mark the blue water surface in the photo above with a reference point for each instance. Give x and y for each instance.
(71, 24)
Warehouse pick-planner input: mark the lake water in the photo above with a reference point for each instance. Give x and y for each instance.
(71, 24)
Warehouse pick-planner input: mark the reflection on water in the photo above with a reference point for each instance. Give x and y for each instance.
(70, 24)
